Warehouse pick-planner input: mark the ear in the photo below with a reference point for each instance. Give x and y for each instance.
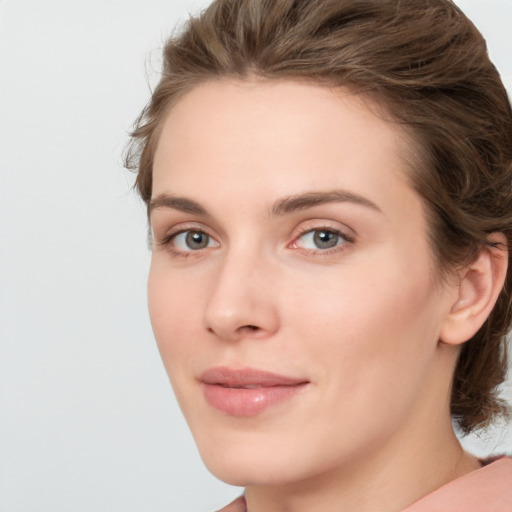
(479, 286)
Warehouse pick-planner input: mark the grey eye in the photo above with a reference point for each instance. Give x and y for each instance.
(192, 241)
(325, 239)
(321, 239)
(196, 240)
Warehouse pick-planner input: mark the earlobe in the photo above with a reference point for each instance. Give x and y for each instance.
(478, 289)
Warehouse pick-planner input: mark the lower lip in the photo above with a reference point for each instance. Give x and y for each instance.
(248, 401)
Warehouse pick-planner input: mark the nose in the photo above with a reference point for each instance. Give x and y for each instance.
(243, 300)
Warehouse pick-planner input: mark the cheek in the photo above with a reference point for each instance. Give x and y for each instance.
(173, 310)
(368, 338)
(367, 325)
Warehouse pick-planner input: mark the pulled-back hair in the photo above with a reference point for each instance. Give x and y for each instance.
(427, 65)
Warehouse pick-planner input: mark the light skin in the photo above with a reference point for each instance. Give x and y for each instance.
(287, 238)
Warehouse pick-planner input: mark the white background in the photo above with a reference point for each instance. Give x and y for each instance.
(87, 418)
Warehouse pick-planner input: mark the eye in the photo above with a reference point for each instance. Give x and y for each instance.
(320, 239)
(192, 241)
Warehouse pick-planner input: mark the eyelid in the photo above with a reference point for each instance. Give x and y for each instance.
(178, 245)
(347, 234)
(327, 225)
(166, 239)
(180, 227)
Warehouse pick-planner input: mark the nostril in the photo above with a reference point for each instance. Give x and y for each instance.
(248, 329)
(243, 328)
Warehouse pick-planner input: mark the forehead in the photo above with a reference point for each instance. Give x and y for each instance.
(240, 137)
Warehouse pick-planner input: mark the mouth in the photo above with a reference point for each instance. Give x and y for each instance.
(248, 391)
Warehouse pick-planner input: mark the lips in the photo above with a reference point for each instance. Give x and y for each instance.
(248, 391)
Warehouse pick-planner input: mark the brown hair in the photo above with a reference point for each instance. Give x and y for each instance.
(428, 65)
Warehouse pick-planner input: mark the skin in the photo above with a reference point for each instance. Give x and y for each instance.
(367, 322)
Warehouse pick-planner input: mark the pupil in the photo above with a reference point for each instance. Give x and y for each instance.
(325, 239)
(197, 240)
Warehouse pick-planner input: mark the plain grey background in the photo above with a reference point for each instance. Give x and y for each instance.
(88, 421)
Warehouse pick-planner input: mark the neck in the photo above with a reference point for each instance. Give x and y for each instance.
(387, 480)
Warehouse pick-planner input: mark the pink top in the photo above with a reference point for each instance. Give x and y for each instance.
(485, 490)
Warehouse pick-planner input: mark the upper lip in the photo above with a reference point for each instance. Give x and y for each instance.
(231, 377)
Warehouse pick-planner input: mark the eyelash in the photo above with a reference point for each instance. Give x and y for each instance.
(166, 241)
(347, 240)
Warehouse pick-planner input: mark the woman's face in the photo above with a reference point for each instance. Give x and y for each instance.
(291, 289)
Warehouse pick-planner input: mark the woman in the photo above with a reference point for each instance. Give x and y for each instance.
(329, 188)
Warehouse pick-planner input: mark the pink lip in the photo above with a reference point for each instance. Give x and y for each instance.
(248, 391)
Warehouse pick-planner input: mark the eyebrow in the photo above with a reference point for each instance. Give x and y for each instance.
(181, 204)
(283, 206)
(297, 202)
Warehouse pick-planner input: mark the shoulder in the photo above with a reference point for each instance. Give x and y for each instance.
(237, 505)
(488, 488)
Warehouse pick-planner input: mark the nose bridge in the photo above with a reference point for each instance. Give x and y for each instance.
(242, 301)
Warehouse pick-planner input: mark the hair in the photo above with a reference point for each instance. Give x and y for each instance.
(427, 65)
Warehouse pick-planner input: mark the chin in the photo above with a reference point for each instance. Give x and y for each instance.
(251, 472)
(245, 457)
(248, 458)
